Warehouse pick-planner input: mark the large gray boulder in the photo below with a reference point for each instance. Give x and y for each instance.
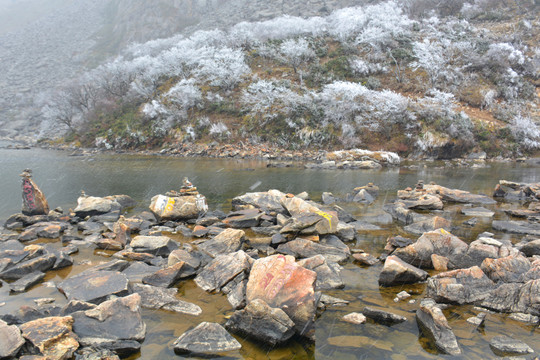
(206, 339)
(261, 322)
(92, 205)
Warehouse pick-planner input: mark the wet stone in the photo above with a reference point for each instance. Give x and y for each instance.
(41, 264)
(136, 271)
(365, 259)
(159, 298)
(156, 245)
(507, 269)
(517, 227)
(504, 345)
(433, 323)
(382, 316)
(397, 272)
(228, 241)
(169, 276)
(243, 219)
(223, 269)
(354, 318)
(328, 273)
(478, 212)
(333, 249)
(26, 282)
(94, 286)
(259, 321)
(206, 339)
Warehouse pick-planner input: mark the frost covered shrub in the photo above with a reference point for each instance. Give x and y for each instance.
(295, 52)
(364, 68)
(219, 130)
(526, 132)
(225, 68)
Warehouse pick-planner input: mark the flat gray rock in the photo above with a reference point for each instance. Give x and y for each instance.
(11, 340)
(505, 345)
(478, 212)
(153, 297)
(94, 286)
(206, 339)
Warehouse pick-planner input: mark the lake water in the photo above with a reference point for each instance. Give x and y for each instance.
(61, 178)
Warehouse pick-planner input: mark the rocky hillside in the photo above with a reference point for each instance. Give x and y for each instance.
(45, 43)
(396, 75)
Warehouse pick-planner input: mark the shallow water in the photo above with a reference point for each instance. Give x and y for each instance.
(61, 177)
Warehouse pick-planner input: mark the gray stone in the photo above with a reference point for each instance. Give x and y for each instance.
(517, 227)
(365, 259)
(116, 319)
(261, 322)
(94, 286)
(153, 297)
(504, 345)
(91, 205)
(507, 269)
(397, 272)
(267, 201)
(382, 316)
(53, 336)
(168, 276)
(515, 298)
(178, 207)
(206, 339)
(138, 270)
(244, 218)
(41, 264)
(433, 323)
(328, 273)
(156, 245)
(531, 248)
(223, 269)
(333, 249)
(462, 286)
(26, 282)
(11, 340)
(228, 241)
(477, 211)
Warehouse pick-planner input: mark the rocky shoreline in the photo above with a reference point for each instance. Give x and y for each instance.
(273, 256)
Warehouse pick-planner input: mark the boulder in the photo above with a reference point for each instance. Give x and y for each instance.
(515, 298)
(177, 207)
(504, 345)
(223, 269)
(507, 269)
(34, 202)
(168, 276)
(113, 320)
(333, 249)
(281, 283)
(462, 286)
(434, 325)
(383, 316)
(346, 232)
(228, 241)
(244, 218)
(320, 223)
(328, 273)
(236, 291)
(296, 206)
(94, 286)
(153, 297)
(53, 336)
(206, 339)
(517, 227)
(261, 322)
(397, 272)
(328, 198)
(11, 340)
(267, 201)
(399, 211)
(137, 270)
(193, 258)
(439, 242)
(423, 202)
(92, 205)
(363, 197)
(156, 245)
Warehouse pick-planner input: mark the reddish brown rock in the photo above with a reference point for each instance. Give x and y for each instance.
(282, 283)
(507, 269)
(34, 202)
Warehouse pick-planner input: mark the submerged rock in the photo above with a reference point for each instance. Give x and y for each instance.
(206, 339)
(153, 297)
(517, 227)
(382, 316)
(433, 323)
(259, 321)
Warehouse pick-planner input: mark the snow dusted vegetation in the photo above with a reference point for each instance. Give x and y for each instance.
(377, 76)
